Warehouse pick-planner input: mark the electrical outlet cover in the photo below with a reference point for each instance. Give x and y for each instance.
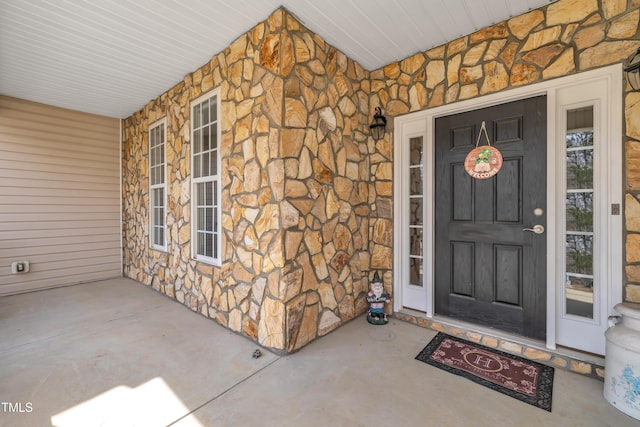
(18, 267)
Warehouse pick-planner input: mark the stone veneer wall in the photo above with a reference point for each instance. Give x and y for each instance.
(563, 38)
(327, 203)
(307, 195)
(295, 188)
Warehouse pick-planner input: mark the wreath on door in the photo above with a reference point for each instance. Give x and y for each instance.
(484, 161)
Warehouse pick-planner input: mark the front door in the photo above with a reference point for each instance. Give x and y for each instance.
(489, 266)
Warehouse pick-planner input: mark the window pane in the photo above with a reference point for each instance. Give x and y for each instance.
(579, 296)
(213, 160)
(205, 112)
(154, 176)
(579, 254)
(205, 156)
(213, 135)
(415, 241)
(415, 271)
(415, 211)
(580, 169)
(208, 193)
(208, 226)
(197, 141)
(415, 151)
(580, 139)
(415, 181)
(196, 117)
(199, 194)
(206, 139)
(201, 219)
(201, 243)
(213, 106)
(209, 244)
(580, 211)
(215, 245)
(197, 168)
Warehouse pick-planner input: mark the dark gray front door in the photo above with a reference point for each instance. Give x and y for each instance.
(487, 269)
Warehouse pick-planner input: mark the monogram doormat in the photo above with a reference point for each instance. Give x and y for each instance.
(522, 379)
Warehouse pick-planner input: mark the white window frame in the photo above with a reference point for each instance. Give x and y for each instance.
(155, 187)
(198, 246)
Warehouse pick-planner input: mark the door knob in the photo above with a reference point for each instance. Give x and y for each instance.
(537, 229)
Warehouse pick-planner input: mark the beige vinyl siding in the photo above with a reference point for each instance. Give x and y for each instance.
(59, 196)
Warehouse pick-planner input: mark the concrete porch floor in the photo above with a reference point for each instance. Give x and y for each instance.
(115, 353)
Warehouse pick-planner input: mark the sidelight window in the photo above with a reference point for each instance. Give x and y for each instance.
(579, 234)
(416, 168)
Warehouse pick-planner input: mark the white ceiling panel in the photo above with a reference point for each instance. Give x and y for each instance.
(111, 57)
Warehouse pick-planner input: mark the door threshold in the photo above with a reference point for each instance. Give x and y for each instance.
(586, 364)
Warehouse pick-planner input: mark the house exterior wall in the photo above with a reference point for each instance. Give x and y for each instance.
(295, 188)
(307, 194)
(327, 202)
(566, 37)
(60, 196)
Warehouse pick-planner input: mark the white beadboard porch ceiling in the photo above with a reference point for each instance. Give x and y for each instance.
(111, 57)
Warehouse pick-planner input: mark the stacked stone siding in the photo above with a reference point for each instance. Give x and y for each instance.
(563, 38)
(306, 193)
(295, 188)
(566, 37)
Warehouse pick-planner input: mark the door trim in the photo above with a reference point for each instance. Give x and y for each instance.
(410, 123)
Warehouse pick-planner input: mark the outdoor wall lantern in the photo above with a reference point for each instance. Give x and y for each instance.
(379, 125)
(633, 71)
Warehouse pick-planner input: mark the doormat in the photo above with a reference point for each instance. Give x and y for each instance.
(522, 379)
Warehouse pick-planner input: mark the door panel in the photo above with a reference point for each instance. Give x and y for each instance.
(509, 192)
(463, 256)
(508, 271)
(487, 269)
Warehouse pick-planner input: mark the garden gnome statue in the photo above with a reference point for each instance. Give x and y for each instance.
(376, 298)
